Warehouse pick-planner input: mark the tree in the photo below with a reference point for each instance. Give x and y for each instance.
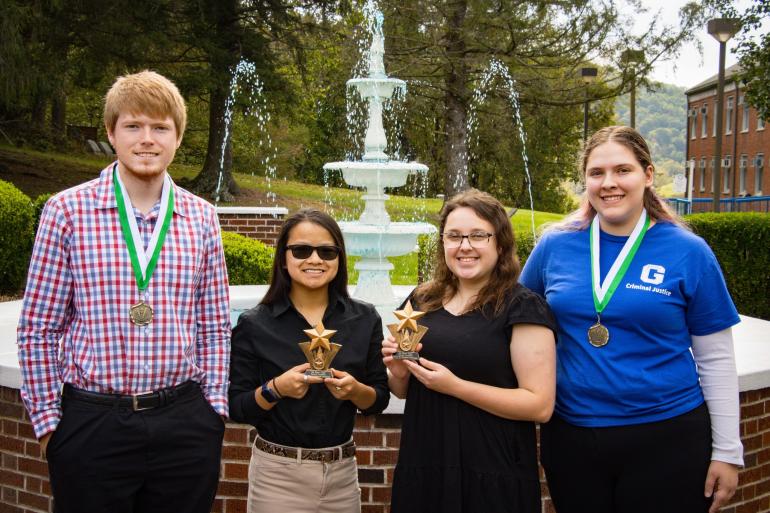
(445, 47)
(226, 32)
(753, 51)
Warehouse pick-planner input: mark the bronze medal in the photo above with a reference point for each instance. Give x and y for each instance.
(598, 335)
(141, 314)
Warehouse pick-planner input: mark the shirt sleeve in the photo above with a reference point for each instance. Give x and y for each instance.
(529, 308)
(376, 375)
(715, 358)
(45, 310)
(245, 374)
(532, 274)
(709, 306)
(213, 320)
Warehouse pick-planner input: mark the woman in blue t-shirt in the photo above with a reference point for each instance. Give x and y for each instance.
(647, 412)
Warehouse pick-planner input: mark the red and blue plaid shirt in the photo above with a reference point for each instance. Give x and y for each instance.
(75, 327)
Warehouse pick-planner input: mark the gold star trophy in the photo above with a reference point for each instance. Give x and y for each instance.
(407, 332)
(319, 351)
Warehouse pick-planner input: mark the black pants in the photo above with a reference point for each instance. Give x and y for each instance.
(657, 467)
(107, 459)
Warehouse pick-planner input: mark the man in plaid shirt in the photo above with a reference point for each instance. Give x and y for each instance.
(124, 333)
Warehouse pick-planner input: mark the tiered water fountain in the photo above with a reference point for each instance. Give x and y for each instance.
(374, 237)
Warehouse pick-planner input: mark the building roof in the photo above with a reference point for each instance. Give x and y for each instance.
(711, 82)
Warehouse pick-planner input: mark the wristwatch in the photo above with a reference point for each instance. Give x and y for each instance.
(267, 393)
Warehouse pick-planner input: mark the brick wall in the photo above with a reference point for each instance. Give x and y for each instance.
(262, 223)
(735, 144)
(24, 483)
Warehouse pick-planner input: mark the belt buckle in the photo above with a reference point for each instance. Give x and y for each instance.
(135, 403)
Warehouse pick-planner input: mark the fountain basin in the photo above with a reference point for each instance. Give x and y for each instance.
(376, 175)
(370, 87)
(379, 241)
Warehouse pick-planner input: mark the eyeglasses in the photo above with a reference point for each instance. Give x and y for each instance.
(303, 251)
(475, 239)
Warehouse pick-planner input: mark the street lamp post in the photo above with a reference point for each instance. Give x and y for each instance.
(588, 75)
(631, 59)
(721, 29)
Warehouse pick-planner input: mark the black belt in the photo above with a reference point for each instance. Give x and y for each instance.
(137, 402)
(327, 454)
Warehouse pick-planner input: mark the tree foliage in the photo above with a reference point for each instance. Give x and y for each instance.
(753, 50)
(659, 119)
(60, 56)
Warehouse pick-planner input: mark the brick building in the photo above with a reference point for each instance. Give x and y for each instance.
(745, 141)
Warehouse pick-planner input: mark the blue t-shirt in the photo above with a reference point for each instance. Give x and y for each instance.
(672, 289)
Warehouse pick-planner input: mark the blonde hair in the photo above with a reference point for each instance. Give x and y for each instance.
(626, 136)
(146, 92)
(431, 295)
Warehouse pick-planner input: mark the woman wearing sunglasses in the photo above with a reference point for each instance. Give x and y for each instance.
(486, 374)
(303, 456)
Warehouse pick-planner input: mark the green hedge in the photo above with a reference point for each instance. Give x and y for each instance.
(249, 261)
(17, 220)
(524, 245)
(741, 243)
(37, 205)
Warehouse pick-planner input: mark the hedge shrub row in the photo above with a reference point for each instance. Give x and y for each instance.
(741, 243)
(17, 221)
(249, 261)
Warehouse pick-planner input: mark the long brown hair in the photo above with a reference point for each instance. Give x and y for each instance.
(280, 281)
(431, 295)
(656, 207)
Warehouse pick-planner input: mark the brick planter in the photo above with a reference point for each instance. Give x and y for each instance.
(262, 223)
(24, 484)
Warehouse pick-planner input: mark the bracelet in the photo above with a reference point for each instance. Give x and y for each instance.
(275, 387)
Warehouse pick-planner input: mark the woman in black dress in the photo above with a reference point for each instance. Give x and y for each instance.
(485, 376)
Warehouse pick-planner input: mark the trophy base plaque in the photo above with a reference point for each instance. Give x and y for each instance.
(406, 355)
(322, 373)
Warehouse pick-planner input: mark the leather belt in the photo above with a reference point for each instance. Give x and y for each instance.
(326, 454)
(136, 402)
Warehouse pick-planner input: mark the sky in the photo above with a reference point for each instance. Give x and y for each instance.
(690, 68)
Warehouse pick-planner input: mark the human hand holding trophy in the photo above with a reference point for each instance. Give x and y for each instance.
(407, 332)
(319, 351)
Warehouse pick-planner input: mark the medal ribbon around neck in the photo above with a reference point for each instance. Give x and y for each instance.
(143, 262)
(603, 292)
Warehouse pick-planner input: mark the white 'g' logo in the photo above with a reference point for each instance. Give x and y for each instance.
(653, 274)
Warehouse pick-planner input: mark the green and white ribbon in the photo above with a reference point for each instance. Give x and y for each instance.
(603, 292)
(143, 261)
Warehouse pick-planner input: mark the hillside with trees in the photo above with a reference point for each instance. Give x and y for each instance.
(661, 119)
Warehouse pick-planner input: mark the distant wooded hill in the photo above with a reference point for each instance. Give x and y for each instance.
(661, 119)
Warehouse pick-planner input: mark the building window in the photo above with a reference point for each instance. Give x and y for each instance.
(693, 119)
(744, 167)
(729, 116)
(714, 129)
(727, 173)
(759, 168)
(714, 184)
(704, 126)
(745, 114)
(702, 181)
(760, 122)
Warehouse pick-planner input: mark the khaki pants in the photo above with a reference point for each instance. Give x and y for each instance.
(285, 485)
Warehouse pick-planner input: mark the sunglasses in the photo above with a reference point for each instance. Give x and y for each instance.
(303, 251)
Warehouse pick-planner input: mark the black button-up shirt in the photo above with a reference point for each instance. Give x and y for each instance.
(265, 344)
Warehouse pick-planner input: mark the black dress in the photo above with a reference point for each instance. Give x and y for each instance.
(454, 457)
